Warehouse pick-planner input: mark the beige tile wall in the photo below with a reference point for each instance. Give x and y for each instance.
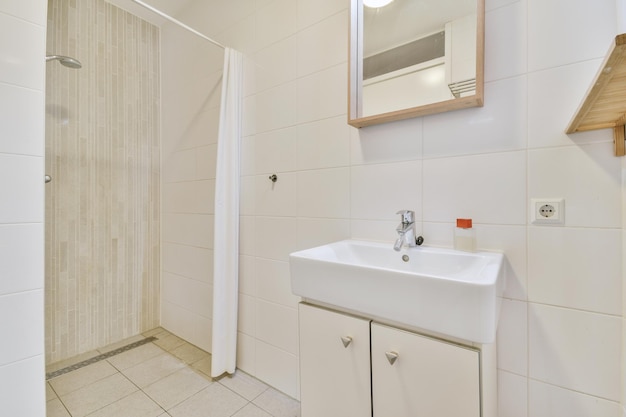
(102, 150)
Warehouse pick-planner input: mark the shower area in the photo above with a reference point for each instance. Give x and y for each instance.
(131, 138)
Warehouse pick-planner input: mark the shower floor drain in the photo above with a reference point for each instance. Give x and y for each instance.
(99, 358)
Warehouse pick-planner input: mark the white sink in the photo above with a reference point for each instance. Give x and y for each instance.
(442, 290)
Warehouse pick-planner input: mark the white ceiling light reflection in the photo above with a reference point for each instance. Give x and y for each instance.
(436, 75)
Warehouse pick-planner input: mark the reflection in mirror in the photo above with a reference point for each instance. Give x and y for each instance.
(415, 57)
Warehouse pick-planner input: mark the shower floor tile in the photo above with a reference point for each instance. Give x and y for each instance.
(177, 387)
(167, 377)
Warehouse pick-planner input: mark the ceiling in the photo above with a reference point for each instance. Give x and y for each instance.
(403, 21)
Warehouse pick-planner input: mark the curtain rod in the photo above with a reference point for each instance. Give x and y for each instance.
(178, 22)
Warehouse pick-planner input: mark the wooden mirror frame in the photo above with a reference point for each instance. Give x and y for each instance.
(355, 75)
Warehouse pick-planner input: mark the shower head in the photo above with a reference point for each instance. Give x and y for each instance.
(65, 60)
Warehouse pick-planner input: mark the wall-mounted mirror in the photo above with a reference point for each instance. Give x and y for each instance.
(412, 58)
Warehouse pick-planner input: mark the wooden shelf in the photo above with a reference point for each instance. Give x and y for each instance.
(604, 105)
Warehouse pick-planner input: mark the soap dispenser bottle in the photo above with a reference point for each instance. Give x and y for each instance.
(464, 235)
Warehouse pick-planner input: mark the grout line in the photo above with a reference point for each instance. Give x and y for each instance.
(99, 358)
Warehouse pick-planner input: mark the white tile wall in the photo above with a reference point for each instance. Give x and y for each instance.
(556, 37)
(500, 125)
(247, 275)
(310, 12)
(275, 198)
(488, 188)
(322, 94)
(182, 228)
(324, 193)
(372, 145)
(275, 21)
(513, 337)
(560, 267)
(278, 367)
(395, 185)
(575, 350)
(241, 36)
(277, 325)
(511, 240)
(274, 285)
(191, 95)
(506, 54)
(246, 320)
(323, 45)
(323, 144)
(315, 232)
(274, 237)
(22, 261)
(22, 387)
(24, 329)
(560, 331)
(549, 400)
(30, 10)
(512, 395)
(275, 64)
(22, 132)
(275, 151)
(23, 187)
(553, 96)
(22, 66)
(188, 261)
(276, 108)
(587, 177)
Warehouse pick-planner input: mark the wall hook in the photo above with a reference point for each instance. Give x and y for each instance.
(273, 178)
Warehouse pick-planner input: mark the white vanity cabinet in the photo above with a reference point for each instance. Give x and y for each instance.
(334, 379)
(428, 377)
(410, 374)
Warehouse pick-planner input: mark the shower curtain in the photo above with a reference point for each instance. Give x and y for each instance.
(226, 241)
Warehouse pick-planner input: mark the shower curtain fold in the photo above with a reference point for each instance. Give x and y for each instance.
(226, 240)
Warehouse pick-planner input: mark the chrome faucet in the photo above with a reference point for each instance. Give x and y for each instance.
(406, 230)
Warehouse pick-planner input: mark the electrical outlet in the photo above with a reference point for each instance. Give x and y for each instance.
(547, 211)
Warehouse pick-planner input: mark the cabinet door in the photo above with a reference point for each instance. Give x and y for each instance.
(429, 378)
(334, 379)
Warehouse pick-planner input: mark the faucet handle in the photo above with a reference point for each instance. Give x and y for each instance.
(408, 216)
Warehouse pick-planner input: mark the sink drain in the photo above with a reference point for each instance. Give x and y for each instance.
(405, 258)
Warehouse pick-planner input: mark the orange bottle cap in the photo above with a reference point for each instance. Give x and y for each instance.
(464, 223)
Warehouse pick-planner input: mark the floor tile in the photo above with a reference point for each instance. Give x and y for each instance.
(79, 378)
(188, 353)
(109, 388)
(176, 387)
(156, 332)
(98, 395)
(135, 356)
(152, 370)
(251, 410)
(203, 365)
(169, 342)
(278, 404)
(55, 408)
(50, 394)
(243, 384)
(213, 401)
(137, 404)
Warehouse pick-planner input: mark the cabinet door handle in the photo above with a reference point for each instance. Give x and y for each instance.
(346, 340)
(392, 357)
